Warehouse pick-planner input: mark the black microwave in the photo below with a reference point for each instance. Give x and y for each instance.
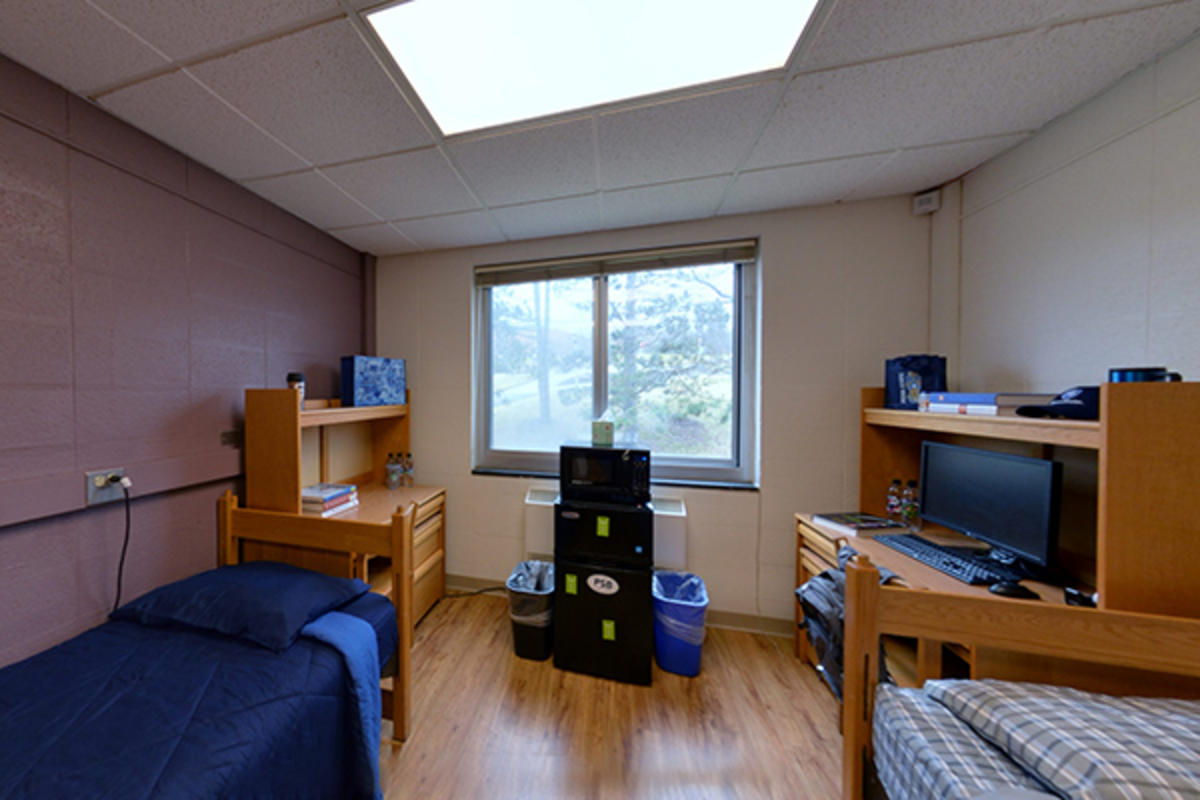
(604, 474)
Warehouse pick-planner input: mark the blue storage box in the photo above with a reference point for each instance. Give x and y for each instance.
(680, 605)
(372, 381)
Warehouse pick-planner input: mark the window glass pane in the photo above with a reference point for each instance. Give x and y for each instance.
(541, 361)
(671, 360)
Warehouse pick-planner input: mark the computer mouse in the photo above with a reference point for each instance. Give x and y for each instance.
(1013, 589)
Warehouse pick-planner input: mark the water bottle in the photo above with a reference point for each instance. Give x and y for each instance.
(408, 469)
(909, 510)
(394, 472)
(893, 500)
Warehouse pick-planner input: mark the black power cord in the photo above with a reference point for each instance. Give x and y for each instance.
(454, 595)
(125, 484)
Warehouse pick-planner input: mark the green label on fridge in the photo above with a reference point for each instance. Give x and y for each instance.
(608, 630)
(602, 527)
(572, 583)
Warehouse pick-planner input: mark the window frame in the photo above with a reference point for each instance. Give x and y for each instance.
(739, 470)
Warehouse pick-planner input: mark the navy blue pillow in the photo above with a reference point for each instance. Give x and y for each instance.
(261, 601)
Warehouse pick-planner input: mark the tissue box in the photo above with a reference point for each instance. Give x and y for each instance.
(372, 381)
(602, 434)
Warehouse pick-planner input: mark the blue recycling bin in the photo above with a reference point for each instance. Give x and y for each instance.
(680, 603)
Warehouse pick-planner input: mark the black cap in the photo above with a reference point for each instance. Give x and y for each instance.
(294, 377)
(1079, 402)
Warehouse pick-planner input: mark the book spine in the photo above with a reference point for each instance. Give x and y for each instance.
(983, 398)
(334, 502)
(986, 398)
(980, 409)
(325, 498)
(328, 512)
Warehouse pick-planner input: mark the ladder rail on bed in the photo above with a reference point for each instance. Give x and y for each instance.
(394, 540)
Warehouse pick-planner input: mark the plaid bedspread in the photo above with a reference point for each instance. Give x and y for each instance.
(1085, 745)
(923, 751)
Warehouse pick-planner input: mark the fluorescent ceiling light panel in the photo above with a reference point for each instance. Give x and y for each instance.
(480, 63)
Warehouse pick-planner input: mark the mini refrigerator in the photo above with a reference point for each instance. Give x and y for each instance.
(603, 612)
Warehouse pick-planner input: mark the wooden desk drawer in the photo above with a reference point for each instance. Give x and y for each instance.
(428, 538)
(813, 563)
(818, 541)
(429, 584)
(429, 507)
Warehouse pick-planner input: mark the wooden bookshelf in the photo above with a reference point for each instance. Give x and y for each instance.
(336, 415)
(1067, 433)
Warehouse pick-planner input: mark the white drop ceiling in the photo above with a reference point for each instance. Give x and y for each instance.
(297, 101)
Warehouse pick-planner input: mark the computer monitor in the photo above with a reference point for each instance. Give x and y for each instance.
(1010, 502)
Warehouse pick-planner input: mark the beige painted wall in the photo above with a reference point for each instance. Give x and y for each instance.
(1081, 246)
(843, 287)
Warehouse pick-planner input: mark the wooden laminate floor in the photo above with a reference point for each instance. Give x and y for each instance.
(756, 722)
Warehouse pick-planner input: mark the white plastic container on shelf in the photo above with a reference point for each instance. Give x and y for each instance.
(670, 527)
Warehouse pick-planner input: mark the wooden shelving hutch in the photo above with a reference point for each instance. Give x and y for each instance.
(1147, 446)
(287, 447)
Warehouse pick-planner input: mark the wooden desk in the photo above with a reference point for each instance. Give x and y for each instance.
(912, 662)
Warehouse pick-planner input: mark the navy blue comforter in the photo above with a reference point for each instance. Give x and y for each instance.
(126, 711)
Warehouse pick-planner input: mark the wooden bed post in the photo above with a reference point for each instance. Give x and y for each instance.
(860, 672)
(402, 599)
(227, 547)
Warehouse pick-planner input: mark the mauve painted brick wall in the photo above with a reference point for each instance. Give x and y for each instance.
(140, 293)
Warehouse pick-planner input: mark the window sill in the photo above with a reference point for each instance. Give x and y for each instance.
(689, 484)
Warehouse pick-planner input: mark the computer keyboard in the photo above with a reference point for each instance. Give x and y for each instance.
(967, 570)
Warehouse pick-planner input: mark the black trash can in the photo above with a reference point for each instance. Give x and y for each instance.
(531, 608)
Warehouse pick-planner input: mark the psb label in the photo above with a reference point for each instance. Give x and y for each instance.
(602, 584)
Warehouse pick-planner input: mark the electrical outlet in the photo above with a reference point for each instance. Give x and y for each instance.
(232, 438)
(100, 488)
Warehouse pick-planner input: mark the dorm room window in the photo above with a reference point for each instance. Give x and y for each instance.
(663, 343)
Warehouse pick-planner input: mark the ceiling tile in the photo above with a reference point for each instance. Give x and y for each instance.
(805, 185)
(676, 140)
(672, 202)
(379, 239)
(529, 164)
(927, 167)
(416, 184)
(1085, 58)
(179, 111)
(943, 95)
(73, 44)
(320, 91)
(452, 230)
(198, 26)
(550, 218)
(861, 30)
(314, 198)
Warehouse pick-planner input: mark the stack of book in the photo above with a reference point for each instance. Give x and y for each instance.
(990, 404)
(856, 523)
(327, 499)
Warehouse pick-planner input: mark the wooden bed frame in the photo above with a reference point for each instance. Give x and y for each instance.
(236, 525)
(1114, 638)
